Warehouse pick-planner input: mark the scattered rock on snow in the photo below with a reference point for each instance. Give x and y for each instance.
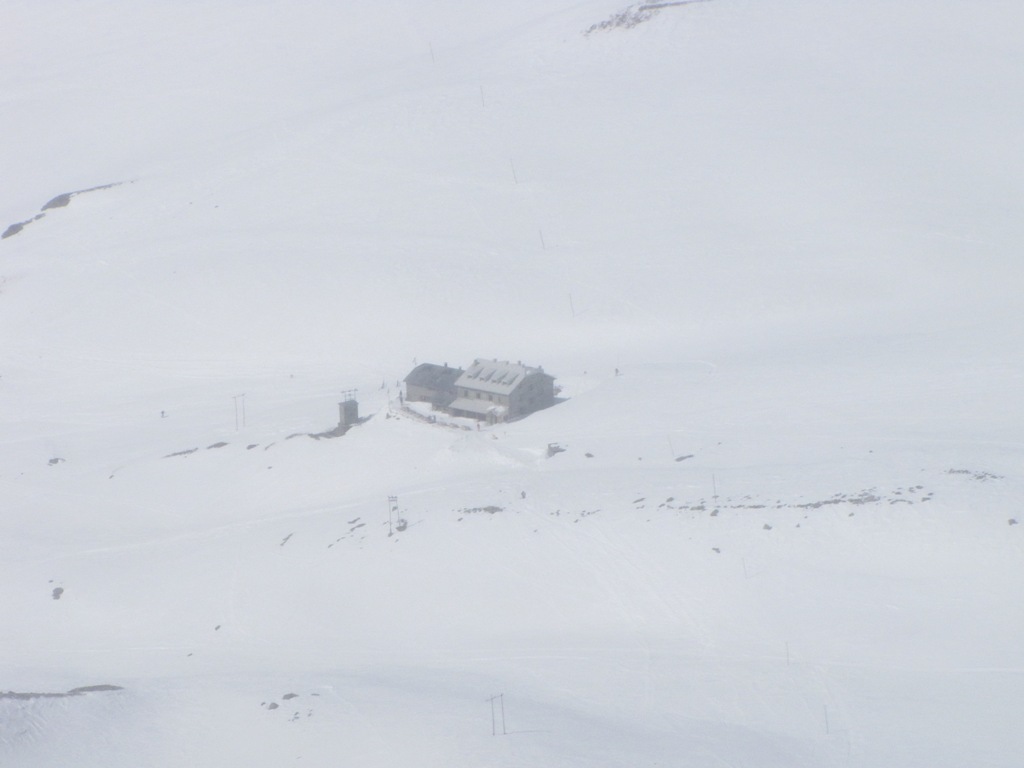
(974, 475)
(13, 230)
(181, 453)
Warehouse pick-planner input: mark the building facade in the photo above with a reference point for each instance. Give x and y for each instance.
(430, 383)
(494, 391)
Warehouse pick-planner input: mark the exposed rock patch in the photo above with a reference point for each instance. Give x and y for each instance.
(635, 15)
(73, 692)
(60, 201)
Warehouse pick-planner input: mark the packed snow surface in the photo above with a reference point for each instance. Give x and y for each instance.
(772, 254)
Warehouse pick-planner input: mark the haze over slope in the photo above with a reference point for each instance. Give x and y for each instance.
(785, 535)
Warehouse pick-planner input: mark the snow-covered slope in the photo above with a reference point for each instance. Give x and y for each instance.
(769, 250)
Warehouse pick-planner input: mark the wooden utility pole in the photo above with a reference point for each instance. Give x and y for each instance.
(392, 509)
(239, 415)
(500, 698)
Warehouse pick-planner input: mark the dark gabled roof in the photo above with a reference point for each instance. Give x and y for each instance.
(431, 376)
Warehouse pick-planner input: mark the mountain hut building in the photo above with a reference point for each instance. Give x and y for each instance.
(494, 391)
(430, 383)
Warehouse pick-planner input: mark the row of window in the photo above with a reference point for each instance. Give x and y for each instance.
(526, 391)
(480, 395)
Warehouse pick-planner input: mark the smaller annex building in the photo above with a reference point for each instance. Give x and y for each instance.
(434, 384)
(493, 391)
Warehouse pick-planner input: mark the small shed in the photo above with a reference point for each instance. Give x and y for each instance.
(348, 413)
(431, 383)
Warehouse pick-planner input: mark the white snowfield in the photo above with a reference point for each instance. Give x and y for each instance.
(772, 253)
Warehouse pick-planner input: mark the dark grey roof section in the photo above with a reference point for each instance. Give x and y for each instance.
(431, 376)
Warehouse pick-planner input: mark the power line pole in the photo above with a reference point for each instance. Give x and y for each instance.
(239, 412)
(392, 509)
(500, 698)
